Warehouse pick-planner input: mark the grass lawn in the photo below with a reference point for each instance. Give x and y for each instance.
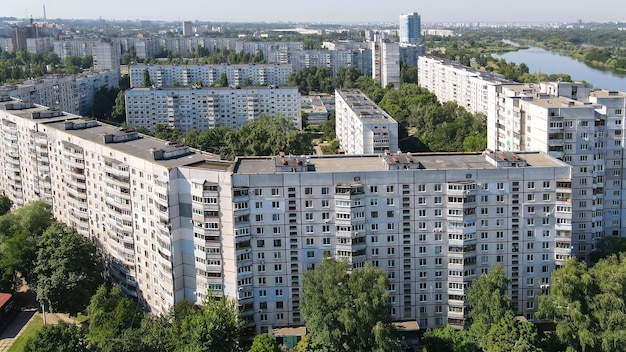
(31, 329)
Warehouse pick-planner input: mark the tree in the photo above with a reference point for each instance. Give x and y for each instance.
(67, 271)
(488, 301)
(449, 339)
(264, 343)
(21, 229)
(147, 82)
(215, 326)
(110, 316)
(587, 304)
(5, 204)
(56, 338)
(348, 311)
(119, 110)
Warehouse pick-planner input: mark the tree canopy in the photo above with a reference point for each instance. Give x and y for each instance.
(67, 271)
(348, 310)
(587, 304)
(56, 338)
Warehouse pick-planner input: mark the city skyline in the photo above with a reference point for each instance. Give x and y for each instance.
(324, 11)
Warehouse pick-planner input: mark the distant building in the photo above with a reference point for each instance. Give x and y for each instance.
(106, 55)
(313, 107)
(71, 93)
(385, 63)
(411, 28)
(207, 75)
(410, 52)
(203, 108)
(361, 126)
(187, 29)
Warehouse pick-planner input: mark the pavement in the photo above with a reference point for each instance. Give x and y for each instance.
(13, 330)
(30, 308)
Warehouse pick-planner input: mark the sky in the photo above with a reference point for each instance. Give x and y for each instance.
(326, 11)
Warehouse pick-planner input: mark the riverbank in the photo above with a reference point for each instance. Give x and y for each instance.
(579, 53)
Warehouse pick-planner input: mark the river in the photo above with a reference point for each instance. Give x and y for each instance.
(540, 60)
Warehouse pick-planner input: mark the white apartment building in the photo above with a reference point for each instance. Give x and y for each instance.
(106, 55)
(207, 75)
(178, 224)
(204, 108)
(450, 81)
(571, 122)
(385, 63)
(71, 93)
(587, 133)
(362, 127)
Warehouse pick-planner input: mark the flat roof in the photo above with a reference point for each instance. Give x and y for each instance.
(603, 93)
(138, 145)
(364, 107)
(374, 162)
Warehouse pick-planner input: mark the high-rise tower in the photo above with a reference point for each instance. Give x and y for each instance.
(410, 28)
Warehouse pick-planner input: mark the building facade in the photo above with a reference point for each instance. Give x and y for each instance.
(73, 93)
(175, 223)
(207, 75)
(385, 63)
(569, 121)
(362, 127)
(411, 28)
(204, 108)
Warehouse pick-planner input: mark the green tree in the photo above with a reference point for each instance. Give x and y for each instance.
(509, 334)
(5, 204)
(119, 110)
(21, 230)
(488, 301)
(348, 311)
(267, 136)
(264, 343)
(147, 82)
(110, 316)
(448, 339)
(215, 326)
(67, 271)
(61, 337)
(587, 304)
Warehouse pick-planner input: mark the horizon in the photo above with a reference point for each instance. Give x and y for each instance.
(324, 12)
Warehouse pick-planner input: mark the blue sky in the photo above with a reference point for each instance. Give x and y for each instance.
(336, 11)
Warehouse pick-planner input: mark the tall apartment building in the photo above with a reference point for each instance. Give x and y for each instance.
(106, 55)
(362, 127)
(385, 62)
(72, 93)
(411, 28)
(207, 75)
(178, 224)
(450, 81)
(204, 108)
(569, 121)
(586, 133)
(187, 28)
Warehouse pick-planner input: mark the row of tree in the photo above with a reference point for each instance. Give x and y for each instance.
(20, 65)
(61, 265)
(267, 136)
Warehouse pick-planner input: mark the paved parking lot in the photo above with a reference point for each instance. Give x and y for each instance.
(13, 330)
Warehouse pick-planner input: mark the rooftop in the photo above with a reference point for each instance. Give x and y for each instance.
(375, 162)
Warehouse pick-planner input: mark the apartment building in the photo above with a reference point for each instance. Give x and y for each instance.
(586, 133)
(207, 75)
(411, 28)
(124, 191)
(450, 81)
(203, 108)
(72, 93)
(362, 127)
(175, 223)
(570, 121)
(385, 62)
